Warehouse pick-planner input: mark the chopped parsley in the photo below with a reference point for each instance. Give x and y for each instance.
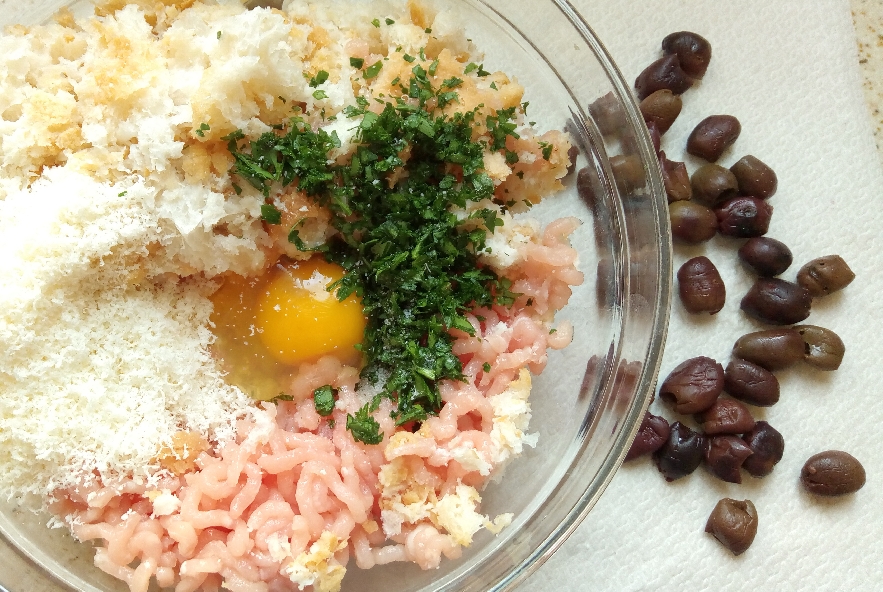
(122, 193)
(357, 63)
(320, 94)
(477, 68)
(321, 77)
(376, 23)
(412, 262)
(373, 70)
(363, 427)
(323, 400)
(203, 127)
(486, 367)
(271, 214)
(389, 21)
(219, 35)
(547, 149)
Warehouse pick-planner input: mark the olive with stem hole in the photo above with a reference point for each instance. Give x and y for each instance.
(825, 275)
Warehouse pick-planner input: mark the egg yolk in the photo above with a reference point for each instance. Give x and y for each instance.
(299, 320)
(266, 326)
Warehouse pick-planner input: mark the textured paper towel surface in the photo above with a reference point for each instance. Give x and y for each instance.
(788, 71)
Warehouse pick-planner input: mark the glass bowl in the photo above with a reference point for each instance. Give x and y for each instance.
(592, 396)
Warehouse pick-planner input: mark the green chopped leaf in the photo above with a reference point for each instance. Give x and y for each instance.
(427, 30)
(363, 426)
(409, 58)
(357, 63)
(486, 367)
(376, 23)
(373, 70)
(494, 86)
(551, 331)
(433, 67)
(320, 94)
(547, 149)
(323, 400)
(281, 397)
(271, 214)
(203, 127)
(389, 21)
(218, 35)
(321, 77)
(122, 193)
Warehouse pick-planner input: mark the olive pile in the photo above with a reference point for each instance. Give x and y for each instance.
(733, 202)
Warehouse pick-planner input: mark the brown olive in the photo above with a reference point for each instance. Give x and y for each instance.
(628, 172)
(665, 72)
(651, 436)
(662, 108)
(676, 180)
(681, 454)
(700, 286)
(692, 223)
(767, 447)
(693, 386)
(725, 416)
(822, 347)
(713, 184)
(608, 113)
(734, 524)
(713, 136)
(751, 383)
(766, 256)
(777, 302)
(773, 349)
(825, 275)
(755, 178)
(832, 472)
(724, 456)
(743, 217)
(693, 51)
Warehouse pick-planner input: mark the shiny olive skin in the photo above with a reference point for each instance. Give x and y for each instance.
(774, 349)
(652, 434)
(712, 136)
(766, 256)
(823, 348)
(676, 180)
(755, 177)
(724, 456)
(767, 447)
(681, 454)
(694, 385)
(831, 473)
(608, 114)
(713, 184)
(743, 217)
(751, 383)
(725, 416)
(777, 302)
(701, 287)
(662, 108)
(734, 524)
(825, 275)
(665, 72)
(693, 51)
(692, 223)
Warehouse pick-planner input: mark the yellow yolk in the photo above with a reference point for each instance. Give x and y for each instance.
(267, 326)
(299, 320)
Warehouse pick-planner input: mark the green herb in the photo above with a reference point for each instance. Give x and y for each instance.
(373, 70)
(477, 68)
(433, 67)
(412, 262)
(122, 193)
(364, 427)
(551, 331)
(357, 63)
(409, 58)
(486, 367)
(376, 23)
(281, 397)
(427, 30)
(331, 423)
(320, 78)
(320, 94)
(494, 86)
(389, 21)
(203, 127)
(547, 149)
(219, 35)
(323, 400)
(271, 214)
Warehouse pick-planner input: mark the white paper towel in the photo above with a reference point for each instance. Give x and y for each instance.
(789, 72)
